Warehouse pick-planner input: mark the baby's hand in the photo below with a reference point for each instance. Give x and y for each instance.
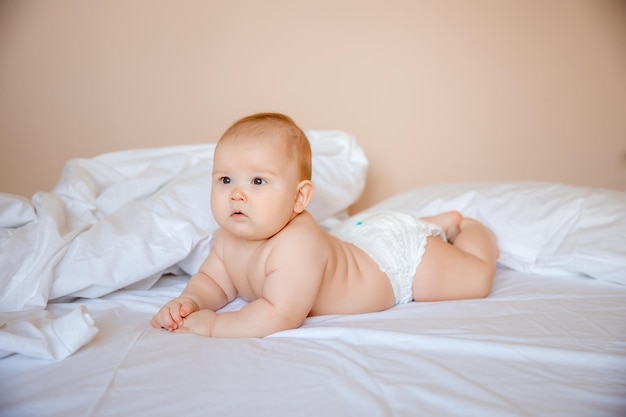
(201, 323)
(171, 315)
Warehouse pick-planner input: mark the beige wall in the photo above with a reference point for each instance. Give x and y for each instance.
(435, 91)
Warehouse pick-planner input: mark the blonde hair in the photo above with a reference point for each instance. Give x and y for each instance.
(296, 143)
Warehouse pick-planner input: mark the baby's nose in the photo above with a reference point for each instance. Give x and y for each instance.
(237, 195)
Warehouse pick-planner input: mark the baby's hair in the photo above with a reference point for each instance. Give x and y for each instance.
(296, 142)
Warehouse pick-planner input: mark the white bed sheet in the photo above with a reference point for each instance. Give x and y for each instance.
(538, 346)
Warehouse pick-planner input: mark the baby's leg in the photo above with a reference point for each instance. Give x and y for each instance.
(450, 222)
(461, 269)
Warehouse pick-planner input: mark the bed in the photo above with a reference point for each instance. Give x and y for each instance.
(85, 266)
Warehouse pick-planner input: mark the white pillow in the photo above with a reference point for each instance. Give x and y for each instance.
(15, 210)
(339, 173)
(541, 227)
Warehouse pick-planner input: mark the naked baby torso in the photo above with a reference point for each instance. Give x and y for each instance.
(350, 282)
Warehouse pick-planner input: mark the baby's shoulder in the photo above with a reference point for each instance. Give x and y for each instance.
(303, 226)
(302, 232)
(297, 247)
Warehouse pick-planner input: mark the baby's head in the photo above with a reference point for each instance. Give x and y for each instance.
(266, 126)
(261, 176)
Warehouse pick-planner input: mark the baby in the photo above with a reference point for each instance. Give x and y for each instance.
(271, 252)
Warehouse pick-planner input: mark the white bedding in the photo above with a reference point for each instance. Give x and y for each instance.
(538, 346)
(90, 263)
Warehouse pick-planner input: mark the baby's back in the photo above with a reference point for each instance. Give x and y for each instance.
(352, 282)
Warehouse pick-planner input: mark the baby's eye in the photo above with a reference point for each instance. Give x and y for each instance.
(258, 181)
(225, 180)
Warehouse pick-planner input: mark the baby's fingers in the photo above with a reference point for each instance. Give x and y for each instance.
(187, 308)
(162, 320)
(155, 323)
(177, 315)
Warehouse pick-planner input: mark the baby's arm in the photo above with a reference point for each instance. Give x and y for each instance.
(257, 319)
(289, 292)
(201, 293)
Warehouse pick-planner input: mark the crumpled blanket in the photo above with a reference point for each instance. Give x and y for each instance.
(123, 220)
(41, 335)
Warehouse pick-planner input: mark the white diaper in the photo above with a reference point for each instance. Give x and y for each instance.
(395, 241)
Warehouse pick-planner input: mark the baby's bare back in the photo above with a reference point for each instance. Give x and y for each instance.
(352, 283)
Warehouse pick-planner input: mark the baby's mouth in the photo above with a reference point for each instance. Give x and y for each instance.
(238, 214)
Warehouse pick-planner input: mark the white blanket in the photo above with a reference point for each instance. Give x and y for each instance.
(123, 220)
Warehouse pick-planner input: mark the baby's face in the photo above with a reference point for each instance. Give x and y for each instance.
(254, 186)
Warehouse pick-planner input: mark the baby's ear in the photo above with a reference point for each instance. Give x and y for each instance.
(306, 189)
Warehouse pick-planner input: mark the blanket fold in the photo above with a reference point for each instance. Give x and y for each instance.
(40, 335)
